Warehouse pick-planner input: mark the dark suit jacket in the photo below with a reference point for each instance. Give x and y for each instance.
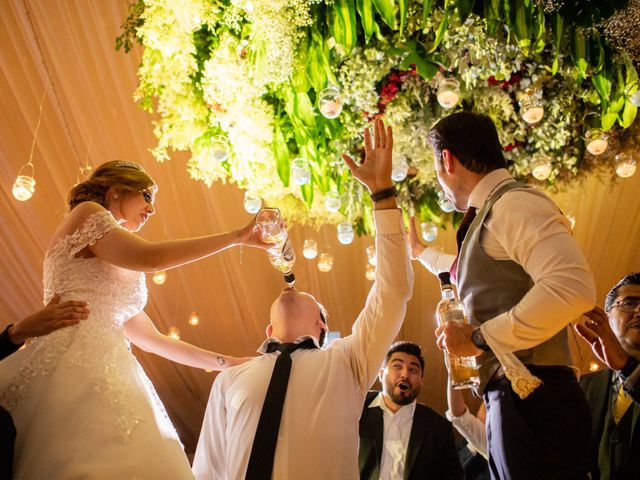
(431, 452)
(596, 387)
(6, 347)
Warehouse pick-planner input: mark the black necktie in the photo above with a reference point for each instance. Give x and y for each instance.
(463, 228)
(264, 443)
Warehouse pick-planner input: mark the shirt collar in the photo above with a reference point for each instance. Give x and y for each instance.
(487, 185)
(405, 409)
(263, 347)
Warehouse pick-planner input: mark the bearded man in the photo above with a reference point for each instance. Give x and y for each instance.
(401, 439)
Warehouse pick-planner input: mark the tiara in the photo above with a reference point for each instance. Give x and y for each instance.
(126, 164)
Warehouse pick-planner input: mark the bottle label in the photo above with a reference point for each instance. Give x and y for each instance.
(454, 316)
(287, 251)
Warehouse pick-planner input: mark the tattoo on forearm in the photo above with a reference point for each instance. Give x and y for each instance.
(221, 361)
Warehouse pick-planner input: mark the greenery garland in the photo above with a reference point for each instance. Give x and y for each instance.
(249, 73)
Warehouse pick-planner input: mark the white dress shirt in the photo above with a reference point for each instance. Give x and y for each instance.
(531, 231)
(472, 429)
(397, 430)
(318, 436)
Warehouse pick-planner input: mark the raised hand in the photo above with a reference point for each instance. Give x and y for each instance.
(604, 343)
(249, 235)
(375, 171)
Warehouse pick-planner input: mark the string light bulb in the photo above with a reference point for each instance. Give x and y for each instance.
(159, 277)
(25, 186)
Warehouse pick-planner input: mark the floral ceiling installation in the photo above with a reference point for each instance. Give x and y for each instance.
(240, 84)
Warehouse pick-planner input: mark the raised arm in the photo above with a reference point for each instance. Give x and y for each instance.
(431, 258)
(383, 313)
(127, 250)
(142, 332)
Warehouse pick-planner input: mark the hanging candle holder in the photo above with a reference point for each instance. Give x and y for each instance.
(159, 277)
(370, 273)
(531, 109)
(194, 319)
(635, 98)
(596, 141)
(371, 255)
(541, 166)
(330, 102)
(25, 185)
(399, 168)
(174, 332)
(444, 204)
(218, 149)
(345, 233)
(252, 202)
(310, 249)
(429, 231)
(332, 202)
(325, 262)
(300, 172)
(571, 218)
(448, 93)
(625, 165)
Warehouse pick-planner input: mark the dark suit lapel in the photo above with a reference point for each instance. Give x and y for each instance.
(418, 433)
(377, 426)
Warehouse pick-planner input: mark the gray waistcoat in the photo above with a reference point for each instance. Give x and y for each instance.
(489, 287)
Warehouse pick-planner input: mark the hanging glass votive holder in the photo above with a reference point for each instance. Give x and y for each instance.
(541, 167)
(310, 249)
(370, 273)
(325, 262)
(635, 98)
(345, 233)
(300, 172)
(625, 165)
(399, 168)
(218, 149)
(596, 141)
(429, 231)
(23, 187)
(332, 202)
(330, 102)
(571, 218)
(159, 277)
(252, 202)
(448, 93)
(174, 332)
(531, 109)
(444, 204)
(371, 255)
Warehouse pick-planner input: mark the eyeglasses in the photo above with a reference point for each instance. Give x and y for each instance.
(628, 305)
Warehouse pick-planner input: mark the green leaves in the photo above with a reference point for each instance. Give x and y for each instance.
(387, 10)
(365, 10)
(557, 27)
(342, 24)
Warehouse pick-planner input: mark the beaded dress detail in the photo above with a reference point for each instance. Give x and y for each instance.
(82, 404)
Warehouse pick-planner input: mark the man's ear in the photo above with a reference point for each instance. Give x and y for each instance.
(380, 375)
(269, 330)
(448, 161)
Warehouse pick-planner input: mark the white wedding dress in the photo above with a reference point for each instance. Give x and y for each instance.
(82, 405)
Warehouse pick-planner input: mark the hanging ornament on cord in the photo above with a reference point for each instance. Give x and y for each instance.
(25, 185)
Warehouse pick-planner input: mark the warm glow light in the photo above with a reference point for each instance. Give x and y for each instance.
(174, 332)
(541, 167)
(345, 233)
(23, 187)
(448, 93)
(571, 219)
(399, 169)
(159, 277)
(371, 255)
(325, 262)
(625, 165)
(596, 141)
(310, 249)
(371, 272)
(252, 202)
(194, 319)
(594, 366)
(531, 109)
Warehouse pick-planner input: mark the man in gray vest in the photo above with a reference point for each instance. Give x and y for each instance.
(614, 393)
(522, 279)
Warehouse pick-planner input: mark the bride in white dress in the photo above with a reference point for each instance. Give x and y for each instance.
(82, 405)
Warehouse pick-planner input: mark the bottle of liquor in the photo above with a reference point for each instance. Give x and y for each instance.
(272, 230)
(462, 370)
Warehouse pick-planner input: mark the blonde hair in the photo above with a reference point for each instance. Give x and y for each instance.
(126, 176)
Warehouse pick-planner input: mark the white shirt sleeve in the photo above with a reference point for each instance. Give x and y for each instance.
(472, 429)
(533, 232)
(380, 320)
(209, 462)
(436, 261)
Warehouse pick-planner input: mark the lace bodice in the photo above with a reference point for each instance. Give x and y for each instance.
(114, 294)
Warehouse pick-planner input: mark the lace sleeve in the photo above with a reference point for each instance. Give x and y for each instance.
(94, 228)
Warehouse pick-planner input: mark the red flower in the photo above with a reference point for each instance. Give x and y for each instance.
(509, 147)
(492, 81)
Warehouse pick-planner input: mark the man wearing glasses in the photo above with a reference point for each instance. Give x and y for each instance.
(614, 393)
